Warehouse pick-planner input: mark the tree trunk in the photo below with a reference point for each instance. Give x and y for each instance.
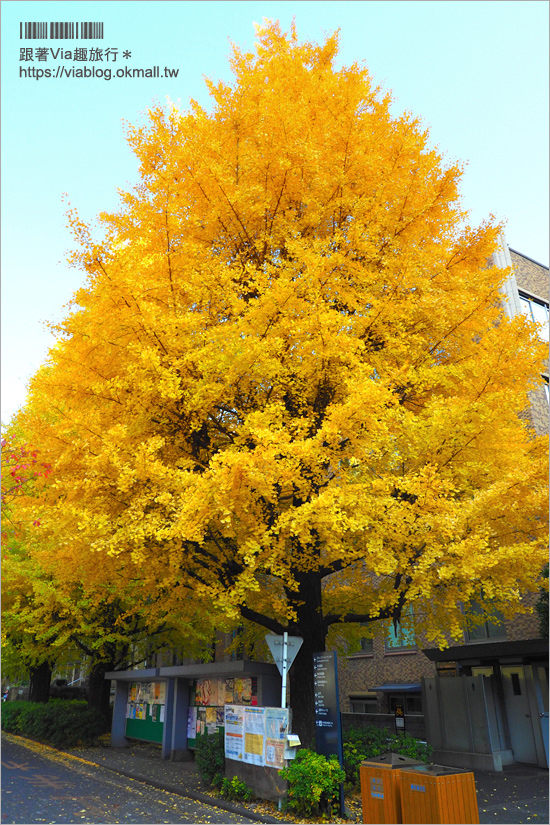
(302, 690)
(310, 627)
(40, 680)
(99, 688)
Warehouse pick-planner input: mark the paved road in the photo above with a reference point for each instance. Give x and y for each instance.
(39, 785)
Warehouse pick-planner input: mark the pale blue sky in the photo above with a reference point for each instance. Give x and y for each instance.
(475, 72)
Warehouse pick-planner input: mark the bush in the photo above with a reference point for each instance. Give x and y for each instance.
(61, 723)
(313, 783)
(368, 742)
(210, 758)
(236, 791)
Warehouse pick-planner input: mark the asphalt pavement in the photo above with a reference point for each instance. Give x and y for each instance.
(41, 785)
(517, 795)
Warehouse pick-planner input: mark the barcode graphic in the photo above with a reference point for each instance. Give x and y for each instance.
(61, 31)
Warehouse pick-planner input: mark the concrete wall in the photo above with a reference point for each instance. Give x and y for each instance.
(265, 782)
(463, 724)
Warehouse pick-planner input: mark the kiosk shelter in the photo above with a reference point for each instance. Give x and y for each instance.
(174, 706)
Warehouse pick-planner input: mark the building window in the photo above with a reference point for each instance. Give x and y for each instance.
(545, 385)
(489, 629)
(400, 637)
(367, 645)
(363, 703)
(410, 702)
(537, 311)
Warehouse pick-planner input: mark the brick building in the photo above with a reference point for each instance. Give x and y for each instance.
(389, 669)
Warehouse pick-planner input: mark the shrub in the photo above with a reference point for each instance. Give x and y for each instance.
(210, 758)
(368, 742)
(10, 715)
(313, 783)
(61, 723)
(236, 791)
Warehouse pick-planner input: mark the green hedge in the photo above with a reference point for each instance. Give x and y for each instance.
(61, 723)
(313, 784)
(370, 741)
(210, 758)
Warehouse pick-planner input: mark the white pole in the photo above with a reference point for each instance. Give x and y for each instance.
(283, 692)
(285, 656)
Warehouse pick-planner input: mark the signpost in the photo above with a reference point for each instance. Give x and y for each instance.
(399, 719)
(284, 650)
(328, 723)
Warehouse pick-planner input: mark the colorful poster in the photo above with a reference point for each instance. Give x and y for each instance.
(159, 693)
(133, 692)
(128, 710)
(203, 692)
(201, 721)
(247, 691)
(191, 723)
(254, 735)
(276, 729)
(229, 698)
(276, 723)
(234, 732)
(211, 720)
(274, 753)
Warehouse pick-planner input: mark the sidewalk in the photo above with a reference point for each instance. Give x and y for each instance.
(143, 762)
(517, 795)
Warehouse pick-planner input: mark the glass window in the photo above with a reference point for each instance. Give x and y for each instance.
(363, 704)
(410, 702)
(400, 637)
(489, 629)
(536, 311)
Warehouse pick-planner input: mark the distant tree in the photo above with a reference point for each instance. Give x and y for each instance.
(288, 393)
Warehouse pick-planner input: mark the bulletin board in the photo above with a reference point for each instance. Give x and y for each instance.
(145, 711)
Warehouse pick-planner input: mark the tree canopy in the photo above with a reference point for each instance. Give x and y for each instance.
(288, 392)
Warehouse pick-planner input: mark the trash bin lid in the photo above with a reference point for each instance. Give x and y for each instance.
(392, 760)
(436, 770)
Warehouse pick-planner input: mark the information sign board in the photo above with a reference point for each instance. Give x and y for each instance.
(328, 726)
(256, 735)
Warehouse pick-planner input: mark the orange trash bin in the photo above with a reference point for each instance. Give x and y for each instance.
(438, 794)
(380, 787)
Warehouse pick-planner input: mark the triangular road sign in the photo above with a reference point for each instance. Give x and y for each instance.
(275, 644)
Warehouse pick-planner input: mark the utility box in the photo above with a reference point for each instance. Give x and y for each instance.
(381, 787)
(438, 794)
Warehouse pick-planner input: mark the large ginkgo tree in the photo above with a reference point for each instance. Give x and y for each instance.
(288, 392)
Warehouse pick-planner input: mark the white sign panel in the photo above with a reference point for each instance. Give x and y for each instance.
(234, 732)
(276, 729)
(254, 735)
(275, 644)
